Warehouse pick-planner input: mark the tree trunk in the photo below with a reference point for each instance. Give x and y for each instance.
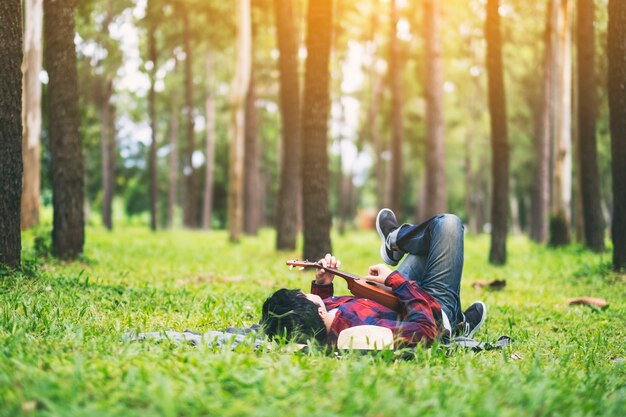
(395, 192)
(152, 159)
(587, 148)
(191, 193)
(210, 145)
(173, 166)
(252, 190)
(434, 154)
(470, 215)
(371, 126)
(314, 131)
(377, 141)
(239, 90)
(68, 234)
(10, 132)
(540, 202)
(579, 222)
(617, 107)
(31, 112)
(560, 219)
(499, 136)
(290, 172)
(107, 149)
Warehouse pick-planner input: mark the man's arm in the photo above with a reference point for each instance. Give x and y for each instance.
(323, 284)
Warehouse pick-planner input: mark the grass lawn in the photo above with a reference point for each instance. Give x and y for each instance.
(61, 351)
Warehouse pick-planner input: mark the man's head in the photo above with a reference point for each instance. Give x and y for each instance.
(291, 314)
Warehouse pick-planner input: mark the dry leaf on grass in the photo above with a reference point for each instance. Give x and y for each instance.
(232, 278)
(199, 279)
(496, 284)
(588, 301)
(516, 356)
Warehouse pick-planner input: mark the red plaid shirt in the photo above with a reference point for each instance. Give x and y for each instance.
(419, 321)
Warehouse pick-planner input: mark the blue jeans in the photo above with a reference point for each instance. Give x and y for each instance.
(435, 259)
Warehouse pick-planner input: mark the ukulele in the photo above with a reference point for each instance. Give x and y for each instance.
(358, 286)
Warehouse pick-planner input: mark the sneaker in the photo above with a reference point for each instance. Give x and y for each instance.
(474, 318)
(386, 223)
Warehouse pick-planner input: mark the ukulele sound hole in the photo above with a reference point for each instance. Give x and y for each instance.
(372, 283)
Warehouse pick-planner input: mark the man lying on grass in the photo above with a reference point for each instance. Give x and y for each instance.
(427, 284)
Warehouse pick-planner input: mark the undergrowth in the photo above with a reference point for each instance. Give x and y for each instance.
(62, 350)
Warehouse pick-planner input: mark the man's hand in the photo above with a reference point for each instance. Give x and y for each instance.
(378, 273)
(322, 277)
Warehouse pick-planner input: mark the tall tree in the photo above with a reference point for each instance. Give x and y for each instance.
(107, 145)
(560, 218)
(152, 160)
(434, 153)
(104, 65)
(252, 209)
(172, 189)
(540, 199)
(290, 173)
(239, 91)
(31, 111)
(617, 107)
(68, 233)
(499, 136)
(10, 131)
(316, 214)
(252, 175)
(190, 205)
(395, 190)
(587, 149)
(209, 108)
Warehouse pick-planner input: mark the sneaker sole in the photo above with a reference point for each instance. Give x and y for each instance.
(383, 249)
(482, 319)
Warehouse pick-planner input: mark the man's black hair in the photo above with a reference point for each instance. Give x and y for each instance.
(289, 313)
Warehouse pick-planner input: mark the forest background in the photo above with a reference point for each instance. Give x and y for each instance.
(160, 159)
(230, 112)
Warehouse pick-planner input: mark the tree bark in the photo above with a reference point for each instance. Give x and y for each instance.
(377, 140)
(252, 184)
(617, 107)
(210, 144)
(106, 111)
(499, 136)
(10, 132)
(434, 155)
(397, 133)
(107, 148)
(31, 112)
(239, 90)
(173, 164)
(587, 110)
(68, 234)
(190, 206)
(152, 160)
(314, 131)
(560, 219)
(290, 172)
(540, 201)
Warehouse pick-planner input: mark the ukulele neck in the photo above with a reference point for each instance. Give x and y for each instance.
(342, 274)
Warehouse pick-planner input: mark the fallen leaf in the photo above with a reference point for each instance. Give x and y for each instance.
(516, 356)
(589, 301)
(28, 406)
(233, 278)
(198, 279)
(496, 284)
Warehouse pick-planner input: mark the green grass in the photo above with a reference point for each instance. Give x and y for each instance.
(61, 351)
